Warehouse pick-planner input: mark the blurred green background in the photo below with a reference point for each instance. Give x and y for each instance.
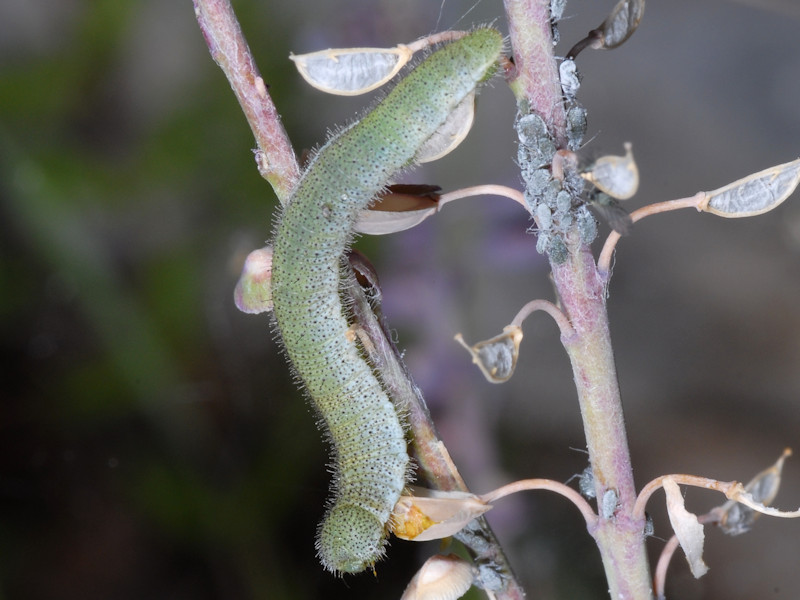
(153, 444)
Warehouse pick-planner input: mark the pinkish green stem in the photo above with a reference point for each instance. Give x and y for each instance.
(619, 533)
(276, 159)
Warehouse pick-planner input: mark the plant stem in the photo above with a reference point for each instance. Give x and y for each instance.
(275, 157)
(619, 533)
(536, 84)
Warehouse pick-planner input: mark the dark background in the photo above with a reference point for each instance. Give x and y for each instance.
(152, 443)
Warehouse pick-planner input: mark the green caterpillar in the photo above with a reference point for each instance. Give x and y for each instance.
(369, 448)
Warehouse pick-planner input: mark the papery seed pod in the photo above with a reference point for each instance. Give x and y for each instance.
(621, 22)
(755, 194)
(351, 71)
(451, 133)
(687, 528)
(497, 356)
(440, 578)
(736, 518)
(433, 514)
(617, 176)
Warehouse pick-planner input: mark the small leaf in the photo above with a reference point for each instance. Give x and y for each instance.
(737, 518)
(687, 528)
(451, 133)
(440, 578)
(253, 292)
(351, 71)
(755, 194)
(433, 514)
(622, 22)
(496, 357)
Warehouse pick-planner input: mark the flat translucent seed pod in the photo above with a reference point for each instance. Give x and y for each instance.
(440, 578)
(622, 22)
(451, 133)
(737, 518)
(755, 194)
(351, 71)
(617, 176)
(401, 207)
(496, 357)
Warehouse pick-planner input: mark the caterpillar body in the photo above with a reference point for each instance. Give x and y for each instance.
(371, 463)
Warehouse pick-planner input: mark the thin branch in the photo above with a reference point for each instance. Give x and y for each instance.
(726, 487)
(660, 576)
(604, 261)
(544, 484)
(551, 309)
(275, 157)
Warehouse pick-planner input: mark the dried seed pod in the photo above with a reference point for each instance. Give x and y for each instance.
(351, 71)
(736, 518)
(687, 528)
(451, 133)
(440, 578)
(617, 176)
(621, 22)
(755, 194)
(496, 357)
(434, 514)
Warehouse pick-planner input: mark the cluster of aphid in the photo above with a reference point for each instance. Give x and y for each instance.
(550, 194)
(555, 182)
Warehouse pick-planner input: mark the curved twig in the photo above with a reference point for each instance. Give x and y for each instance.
(545, 484)
(604, 261)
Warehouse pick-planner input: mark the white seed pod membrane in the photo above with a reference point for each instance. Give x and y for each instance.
(369, 449)
(351, 71)
(755, 194)
(617, 176)
(622, 22)
(496, 357)
(451, 133)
